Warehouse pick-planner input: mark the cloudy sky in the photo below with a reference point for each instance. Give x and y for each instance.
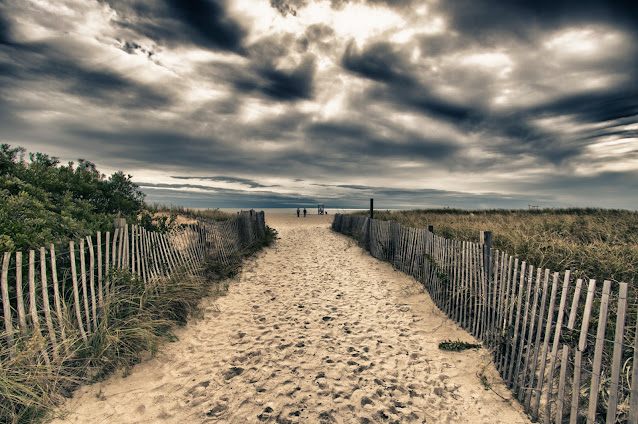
(279, 103)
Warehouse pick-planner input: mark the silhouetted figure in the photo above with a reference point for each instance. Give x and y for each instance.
(304, 212)
(297, 212)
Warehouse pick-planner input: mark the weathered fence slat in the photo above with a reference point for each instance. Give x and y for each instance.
(85, 293)
(133, 262)
(57, 298)
(560, 397)
(537, 343)
(560, 400)
(33, 309)
(99, 270)
(152, 245)
(76, 294)
(115, 248)
(554, 354)
(633, 401)
(89, 243)
(120, 249)
(107, 253)
(514, 340)
(498, 331)
(519, 360)
(598, 353)
(578, 355)
(474, 290)
(45, 302)
(6, 307)
(22, 316)
(617, 359)
(510, 316)
(495, 298)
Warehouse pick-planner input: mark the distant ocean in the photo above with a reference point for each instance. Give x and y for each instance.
(291, 211)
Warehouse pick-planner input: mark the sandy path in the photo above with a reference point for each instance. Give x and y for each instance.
(314, 330)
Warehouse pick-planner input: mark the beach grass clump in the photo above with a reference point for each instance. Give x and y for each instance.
(135, 320)
(457, 345)
(592, 243)
(597, 244)
(29, 387)
(210, 214)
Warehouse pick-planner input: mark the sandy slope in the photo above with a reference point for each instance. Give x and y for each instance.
(313, 331)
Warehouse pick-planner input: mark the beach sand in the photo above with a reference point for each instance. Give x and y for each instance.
(313, 330)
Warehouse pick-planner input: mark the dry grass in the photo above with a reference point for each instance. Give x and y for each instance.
(593, 243)
(135, 321)
(192, 214)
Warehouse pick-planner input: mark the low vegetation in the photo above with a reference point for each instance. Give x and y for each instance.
(202, 214)
(41, 203)
(457, 345)
(593, 243)
(598, 244)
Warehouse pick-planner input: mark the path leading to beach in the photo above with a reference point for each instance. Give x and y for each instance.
(314, 330)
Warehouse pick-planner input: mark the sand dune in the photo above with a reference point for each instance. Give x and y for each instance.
(314, 330)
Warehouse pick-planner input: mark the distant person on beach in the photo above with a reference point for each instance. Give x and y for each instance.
(304, 212)
(297, 212)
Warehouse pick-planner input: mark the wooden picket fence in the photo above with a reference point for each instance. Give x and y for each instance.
(67, 289)
(566, 349)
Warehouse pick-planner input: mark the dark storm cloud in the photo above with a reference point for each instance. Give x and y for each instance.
(510, 133)
(489, 18)
(383, 62)
(163, 147)
(358, 139)
(379, 62)
(225, 179)
(5, 37)
(595, 107)
(202, 22)
(280, 84)
(210, 23)
(286, 7)
(43, 63)
(315, 105)
(290, 85)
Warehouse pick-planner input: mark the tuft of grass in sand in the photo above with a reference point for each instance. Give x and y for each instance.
(457, 346)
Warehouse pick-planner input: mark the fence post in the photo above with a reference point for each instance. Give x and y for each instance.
(371, 208)
(486, 242)
(431, 228)
(119, 222)
(633, 405)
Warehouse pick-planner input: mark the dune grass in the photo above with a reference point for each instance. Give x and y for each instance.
(598, 244)
(213, 214)
(135, 321)
(592, 243)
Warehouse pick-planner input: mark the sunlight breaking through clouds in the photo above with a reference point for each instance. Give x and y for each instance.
(484, 99)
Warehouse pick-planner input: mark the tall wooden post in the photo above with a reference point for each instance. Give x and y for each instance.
(486, 243)
(371, 208)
